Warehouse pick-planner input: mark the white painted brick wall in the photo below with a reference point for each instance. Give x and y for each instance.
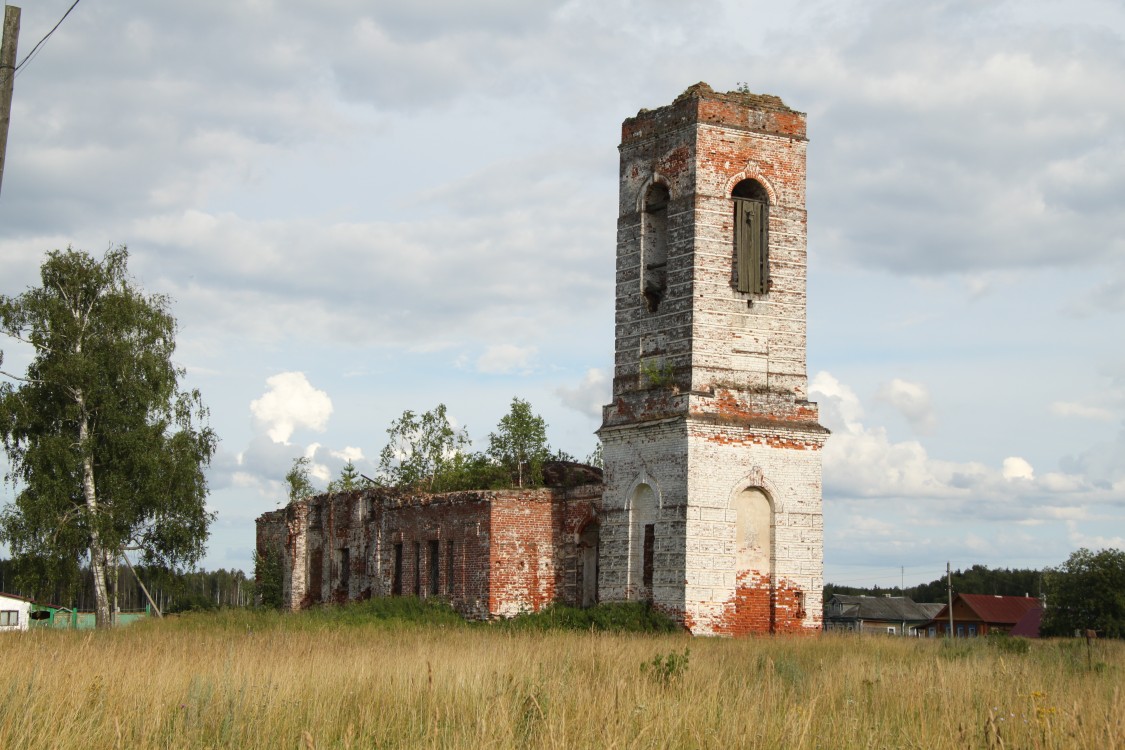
(736, 414)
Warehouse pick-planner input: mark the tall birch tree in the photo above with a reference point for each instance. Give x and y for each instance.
(106, 451)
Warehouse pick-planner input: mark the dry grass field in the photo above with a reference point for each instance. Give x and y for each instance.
(263, 680)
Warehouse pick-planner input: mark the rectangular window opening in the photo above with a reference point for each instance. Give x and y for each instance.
(344, 566)
(417, 568)
(432, 565)
(751, 242)
(649, 554)
(396, 575)
(449, 567)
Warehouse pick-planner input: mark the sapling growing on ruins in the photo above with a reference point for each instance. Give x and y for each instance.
(421, 450)
(299, 480)
(520, 444)
(350, 479)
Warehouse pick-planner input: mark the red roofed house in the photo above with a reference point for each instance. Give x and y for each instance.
(982, 614)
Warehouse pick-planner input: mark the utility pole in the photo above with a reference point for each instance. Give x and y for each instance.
(949, 587)
(7, 76)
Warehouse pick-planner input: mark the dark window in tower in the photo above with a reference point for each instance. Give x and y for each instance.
(654, 246)
(751, 236)
(649, 555)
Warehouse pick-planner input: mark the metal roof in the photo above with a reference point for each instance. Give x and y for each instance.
(890, 608)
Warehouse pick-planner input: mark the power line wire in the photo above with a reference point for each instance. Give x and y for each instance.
(34, 50)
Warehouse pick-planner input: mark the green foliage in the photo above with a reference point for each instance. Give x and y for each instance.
(1008, 644)
(421, 450)
(389, 609)
(786, 666)
(473, 471)
(45, 579)
(979, 579)
(668, 668)
(657, 374)
(617, 617)
(106, 451)
(349, 480)
(596, 457)
(954, 649)
(520, 444)
(191, 601)
(229, 588)
(299, 481)
(268, 579)
(1087, 592)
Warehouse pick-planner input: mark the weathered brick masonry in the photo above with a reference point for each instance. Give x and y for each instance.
(490, 553)
(711, 501)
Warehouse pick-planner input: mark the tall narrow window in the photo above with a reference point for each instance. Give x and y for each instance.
(649, 554)
(433, 566)
(417, 568)
(396, 573)
(751, 236)
(449, 567)
(654, 246)
(588, 542)
(643, 512)
(343, 567)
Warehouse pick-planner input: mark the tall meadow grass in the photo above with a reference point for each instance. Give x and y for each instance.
(265, 680)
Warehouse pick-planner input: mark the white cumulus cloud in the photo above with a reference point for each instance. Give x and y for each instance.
(912, 400)
(291, 402)
(588, 396)
(349, 453)
(1075, 409)
(504, 358)
(1017, 468)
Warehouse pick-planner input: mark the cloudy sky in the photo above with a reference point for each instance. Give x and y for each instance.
(365, 207)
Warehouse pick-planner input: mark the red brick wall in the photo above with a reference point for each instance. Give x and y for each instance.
(522, 559)
(534, 552)
(512, 550)
(462, 518)
(756, 610)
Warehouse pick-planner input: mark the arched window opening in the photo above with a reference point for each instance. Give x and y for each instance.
(654, 246)
(753, 536)
(642, 535)
(751, 236)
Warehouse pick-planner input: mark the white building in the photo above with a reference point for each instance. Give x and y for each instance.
(15, 612)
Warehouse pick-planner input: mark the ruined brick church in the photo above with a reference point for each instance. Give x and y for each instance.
(710, 503)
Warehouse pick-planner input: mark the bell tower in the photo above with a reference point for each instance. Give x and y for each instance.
(712, 504)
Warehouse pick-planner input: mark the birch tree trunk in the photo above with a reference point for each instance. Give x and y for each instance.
(89, 492)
